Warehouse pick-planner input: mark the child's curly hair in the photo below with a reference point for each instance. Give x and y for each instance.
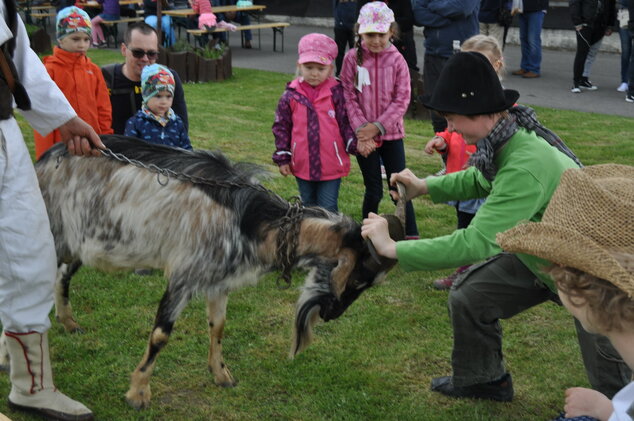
(610, 309)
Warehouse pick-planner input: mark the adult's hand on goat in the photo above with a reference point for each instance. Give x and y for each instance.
(414, 186)
(80, 138)
(375, 228)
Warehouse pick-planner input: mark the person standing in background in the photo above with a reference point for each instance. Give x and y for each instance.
(345, 14)
(531, 20)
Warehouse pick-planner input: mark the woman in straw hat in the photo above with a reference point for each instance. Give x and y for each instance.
(588, 233)
(517, 166)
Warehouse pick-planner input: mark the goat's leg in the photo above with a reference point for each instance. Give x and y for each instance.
(172, 303)
(63, 309)
(216, 316)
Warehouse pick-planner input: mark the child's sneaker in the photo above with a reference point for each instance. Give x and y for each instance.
(622, 87)
(629, 98)
(383, 173)
(587, 85)
(576, 90)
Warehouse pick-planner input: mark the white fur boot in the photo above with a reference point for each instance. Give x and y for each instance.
(32, 387)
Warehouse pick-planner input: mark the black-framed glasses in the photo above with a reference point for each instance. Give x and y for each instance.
(139, 53)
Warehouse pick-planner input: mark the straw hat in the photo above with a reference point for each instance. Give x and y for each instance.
(588, 225)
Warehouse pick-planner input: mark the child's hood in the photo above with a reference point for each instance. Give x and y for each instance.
(66, 58)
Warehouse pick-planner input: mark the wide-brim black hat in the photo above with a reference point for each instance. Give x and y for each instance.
(468, 85)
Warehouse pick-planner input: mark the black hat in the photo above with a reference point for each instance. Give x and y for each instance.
(468, 85)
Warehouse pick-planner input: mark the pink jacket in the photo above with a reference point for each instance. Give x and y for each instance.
(386, 98)
(314, 138)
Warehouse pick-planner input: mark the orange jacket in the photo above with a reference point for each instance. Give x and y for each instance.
(82, 83)
(458, 152)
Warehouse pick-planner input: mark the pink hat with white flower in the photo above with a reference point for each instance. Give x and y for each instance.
(375, 17)
(317, 48)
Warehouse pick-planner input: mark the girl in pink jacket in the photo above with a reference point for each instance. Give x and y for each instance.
(312, 134)
(376, 84)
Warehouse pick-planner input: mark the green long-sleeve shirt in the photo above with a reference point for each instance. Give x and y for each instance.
(529, 170)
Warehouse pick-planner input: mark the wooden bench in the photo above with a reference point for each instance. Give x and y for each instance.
(278, 27)
(111, 28)
(41, 18)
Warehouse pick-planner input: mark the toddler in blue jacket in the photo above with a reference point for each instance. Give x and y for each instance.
(156, 122)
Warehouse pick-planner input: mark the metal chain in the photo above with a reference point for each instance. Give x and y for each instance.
(288, 239)
(288, 226)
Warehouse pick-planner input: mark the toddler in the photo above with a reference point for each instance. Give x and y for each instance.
(376, 84)
(312, 134)
(455, 152)
(77, 76)
(156, 122)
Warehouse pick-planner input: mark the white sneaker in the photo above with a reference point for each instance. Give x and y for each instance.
(629, 98)
(575, 90)
(622, 87)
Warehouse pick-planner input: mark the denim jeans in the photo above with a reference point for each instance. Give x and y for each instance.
(531, 40)
(626, 50)
(392, 153)
(320, 193)
(498, 289)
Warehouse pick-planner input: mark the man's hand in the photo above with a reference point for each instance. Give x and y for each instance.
(375, 228)
(80, 138)
(414, 186)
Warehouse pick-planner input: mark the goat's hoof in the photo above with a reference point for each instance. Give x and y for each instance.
(138, 399)
(227, 383)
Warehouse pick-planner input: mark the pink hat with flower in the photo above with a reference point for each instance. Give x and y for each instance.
(375, 17)
(317, 48)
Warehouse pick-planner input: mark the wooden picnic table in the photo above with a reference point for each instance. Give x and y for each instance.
(121, 3)
(182, 13)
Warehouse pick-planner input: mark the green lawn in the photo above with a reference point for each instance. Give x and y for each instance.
(375, 362)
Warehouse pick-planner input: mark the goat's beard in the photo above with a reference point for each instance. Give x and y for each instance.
(317, 301)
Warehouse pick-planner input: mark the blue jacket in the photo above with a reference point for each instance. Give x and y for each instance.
(446, 21)
(345, 14)
(146, 127)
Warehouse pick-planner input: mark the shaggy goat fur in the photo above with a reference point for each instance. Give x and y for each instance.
(212, 229)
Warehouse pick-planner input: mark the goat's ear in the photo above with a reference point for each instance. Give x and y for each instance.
(341, 273)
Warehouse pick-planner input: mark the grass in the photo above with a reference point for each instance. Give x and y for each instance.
(375, 362)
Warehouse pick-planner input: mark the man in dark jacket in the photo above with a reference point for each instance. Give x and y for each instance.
(345, 13)
(531, 19)
(489, 17)
(124, 80)
(592, 20)
(447, 24)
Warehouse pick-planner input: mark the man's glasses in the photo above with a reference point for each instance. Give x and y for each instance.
(139, 53)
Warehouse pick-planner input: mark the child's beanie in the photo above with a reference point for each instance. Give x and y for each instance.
(70, 20)
(317, 48)
(375, 17)
(156, 78)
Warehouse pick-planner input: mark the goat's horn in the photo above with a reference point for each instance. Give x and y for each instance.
(400, 204)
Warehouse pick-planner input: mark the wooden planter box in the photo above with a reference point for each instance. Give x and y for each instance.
(192, 67)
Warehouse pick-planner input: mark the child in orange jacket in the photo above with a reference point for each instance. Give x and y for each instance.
(77, 76)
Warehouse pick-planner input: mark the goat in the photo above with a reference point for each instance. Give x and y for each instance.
(210, 225)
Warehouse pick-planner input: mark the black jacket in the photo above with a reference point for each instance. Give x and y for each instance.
(589, 13)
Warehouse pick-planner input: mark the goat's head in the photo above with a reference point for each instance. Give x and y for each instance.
(331, 286)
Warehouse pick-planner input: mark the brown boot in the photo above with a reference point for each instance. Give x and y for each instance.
(32, 387)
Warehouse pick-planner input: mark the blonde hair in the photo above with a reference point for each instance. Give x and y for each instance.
(489, 47)
(609, 308)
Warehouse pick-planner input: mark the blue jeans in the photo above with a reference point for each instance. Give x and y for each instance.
(531, 40)
(320, 193)
(166, 27)
(392, 153)
(626, 52)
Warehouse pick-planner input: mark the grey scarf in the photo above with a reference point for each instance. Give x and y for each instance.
(505, 128)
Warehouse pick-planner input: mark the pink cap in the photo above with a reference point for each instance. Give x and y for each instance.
(375, 17)
(317, 48)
